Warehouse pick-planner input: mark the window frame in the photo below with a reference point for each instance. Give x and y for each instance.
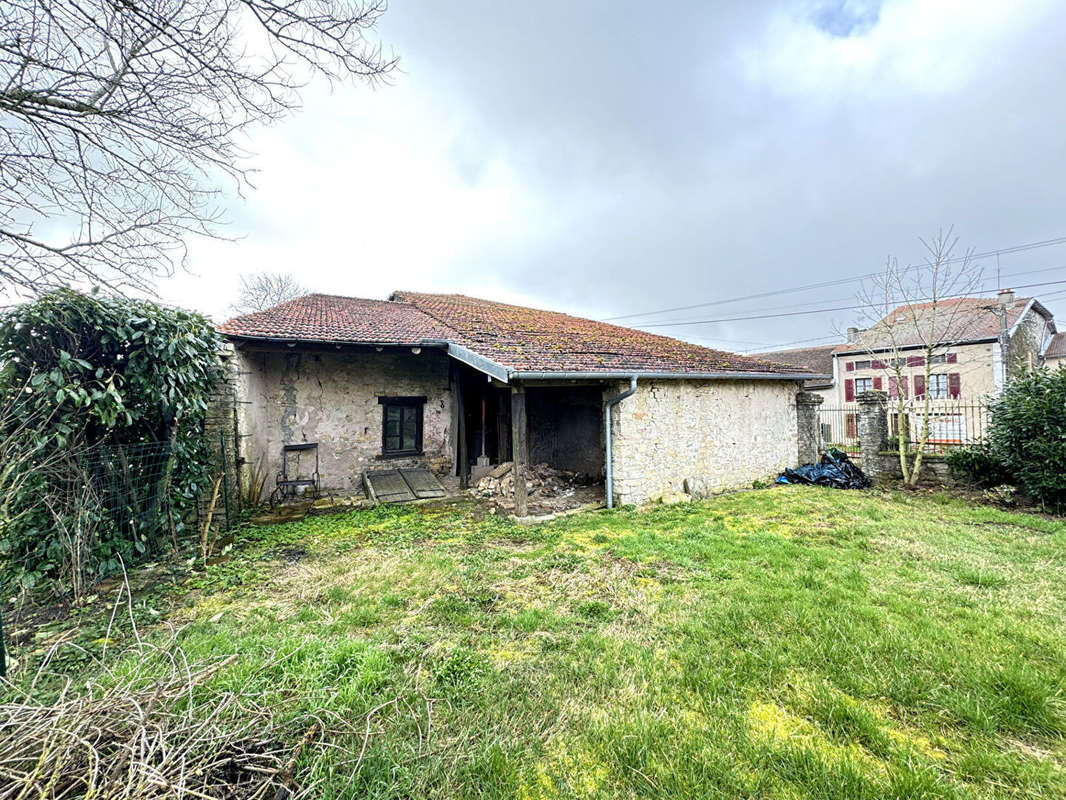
(869, 388)
(417, 404)
(933, 384)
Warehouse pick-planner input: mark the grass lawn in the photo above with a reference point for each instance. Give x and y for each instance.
(783, 643)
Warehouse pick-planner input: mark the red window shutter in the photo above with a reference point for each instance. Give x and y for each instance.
(849, 390)
(916, 361)
(877, 383)
(851, 426)
(904, 387)
(954, 384)
(877, 364)
(893, 387)
(919, 386)
(850, 366)
(953, 358)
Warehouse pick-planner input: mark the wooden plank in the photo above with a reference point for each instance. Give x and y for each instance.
(423, 483)
(519, 450)
(390, 487)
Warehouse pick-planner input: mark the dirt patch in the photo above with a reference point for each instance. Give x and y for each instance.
(22, 624)
(549, 490)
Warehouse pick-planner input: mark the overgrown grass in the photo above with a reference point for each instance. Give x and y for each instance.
(790, 642)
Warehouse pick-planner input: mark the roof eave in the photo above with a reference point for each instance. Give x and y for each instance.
(289, 340)
(526, 375)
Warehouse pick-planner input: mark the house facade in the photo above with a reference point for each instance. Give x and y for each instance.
(450, 382)
(972, 365)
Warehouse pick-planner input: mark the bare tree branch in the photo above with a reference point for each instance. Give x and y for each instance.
(262, 290)
(917, 312)
(119, 121)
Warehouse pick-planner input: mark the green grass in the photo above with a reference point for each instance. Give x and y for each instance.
(784, 643)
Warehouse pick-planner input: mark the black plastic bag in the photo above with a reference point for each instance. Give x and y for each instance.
(834, 470)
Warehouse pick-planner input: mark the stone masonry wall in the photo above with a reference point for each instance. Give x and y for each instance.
(332, 398)
(725, 434)
(220, 427)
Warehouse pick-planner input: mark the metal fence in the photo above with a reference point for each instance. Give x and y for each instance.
(952, 423)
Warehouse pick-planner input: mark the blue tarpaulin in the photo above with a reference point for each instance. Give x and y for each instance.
(834, 469)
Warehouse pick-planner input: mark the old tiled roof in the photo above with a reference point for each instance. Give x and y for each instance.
(1056, 347)
(330, 318)
(517, 338)
(530, 340)
(817, 359)
(969, 319)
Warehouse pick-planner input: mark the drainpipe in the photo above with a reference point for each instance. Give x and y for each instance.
(611, 403)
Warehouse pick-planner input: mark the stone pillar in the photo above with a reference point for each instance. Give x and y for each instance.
(873, 429)
(808, 430)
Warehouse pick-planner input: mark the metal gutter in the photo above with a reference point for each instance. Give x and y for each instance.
(692, 376)
(611, 403)
(477, 361)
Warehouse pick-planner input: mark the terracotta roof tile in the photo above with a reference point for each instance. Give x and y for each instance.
(1056, 347)
(518, 338)
(331, 318)
(532, 340)
(817, 359)
(975, 319)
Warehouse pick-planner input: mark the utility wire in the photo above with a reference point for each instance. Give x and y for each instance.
(839, 281)
(823, 310)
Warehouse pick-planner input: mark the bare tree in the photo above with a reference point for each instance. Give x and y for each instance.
(913, 314)
(120, 120)
(262, 290)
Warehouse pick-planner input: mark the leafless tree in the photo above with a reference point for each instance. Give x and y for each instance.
(262, 290)
(121, 119)
(912, 315)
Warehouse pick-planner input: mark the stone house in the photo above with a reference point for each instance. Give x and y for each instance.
(1054, 355)
(970, 367)
(449, 382)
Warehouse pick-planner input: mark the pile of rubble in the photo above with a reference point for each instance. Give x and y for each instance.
(542, 480)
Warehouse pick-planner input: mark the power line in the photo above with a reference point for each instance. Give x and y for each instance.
(821, 310)
(839, 281)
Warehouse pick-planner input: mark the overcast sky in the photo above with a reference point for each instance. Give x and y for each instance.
(606, 158)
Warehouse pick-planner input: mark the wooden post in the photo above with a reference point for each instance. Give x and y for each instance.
(462, 457)
(518, 449)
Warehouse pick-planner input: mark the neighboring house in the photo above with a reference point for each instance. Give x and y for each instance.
(970, 367)
(438, 380)
(816, 359)
(1055, 353)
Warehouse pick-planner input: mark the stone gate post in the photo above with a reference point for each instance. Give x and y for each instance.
(808, 431)
(873, 430)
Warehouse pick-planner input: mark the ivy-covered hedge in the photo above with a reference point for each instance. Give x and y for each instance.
(108, 376)
(1028, 435)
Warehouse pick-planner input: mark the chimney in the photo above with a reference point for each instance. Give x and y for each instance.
(853, 335)
(1006, 298)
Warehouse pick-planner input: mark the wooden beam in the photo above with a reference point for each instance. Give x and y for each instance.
(519, 450)
(462, 458)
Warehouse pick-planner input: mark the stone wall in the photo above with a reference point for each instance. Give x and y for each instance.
(722, 434)
(220, 430)
(566, 428)
(331, 397)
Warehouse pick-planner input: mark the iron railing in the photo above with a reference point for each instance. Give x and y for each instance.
(952, 423)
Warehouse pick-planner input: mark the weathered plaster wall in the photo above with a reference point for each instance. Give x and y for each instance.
(1026, 343)
(332, 398)
(723, 433)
